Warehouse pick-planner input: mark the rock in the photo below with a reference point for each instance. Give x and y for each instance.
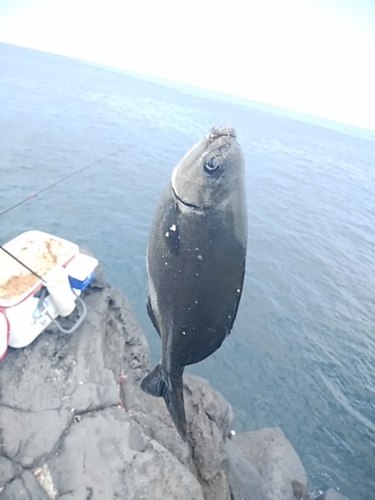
(74, 424)
(275, 460)
(118, 461)
(209, 417)
(24, 487)
(300, 491)
(8, 470)
(331, 494)
(245, 481)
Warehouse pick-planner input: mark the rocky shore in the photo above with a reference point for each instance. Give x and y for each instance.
(74, 424)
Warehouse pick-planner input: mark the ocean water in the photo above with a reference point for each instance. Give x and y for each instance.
(302, 353)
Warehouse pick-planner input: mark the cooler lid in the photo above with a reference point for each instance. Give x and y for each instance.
(82, 266)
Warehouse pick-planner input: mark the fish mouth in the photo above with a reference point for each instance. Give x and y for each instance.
(220, 139)
(219, 142)
(217, 132)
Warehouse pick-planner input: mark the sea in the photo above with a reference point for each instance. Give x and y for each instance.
(85, 152)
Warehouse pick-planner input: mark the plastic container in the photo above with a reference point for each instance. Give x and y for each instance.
(42, 252)
(4, 334)
(79, 284)
(81, 271)
(57, 283)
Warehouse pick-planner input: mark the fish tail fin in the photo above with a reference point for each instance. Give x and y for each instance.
(168, 386)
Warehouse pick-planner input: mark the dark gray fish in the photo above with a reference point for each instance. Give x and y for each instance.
(196, 262)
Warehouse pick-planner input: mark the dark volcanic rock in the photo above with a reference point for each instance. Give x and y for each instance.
(74, 424)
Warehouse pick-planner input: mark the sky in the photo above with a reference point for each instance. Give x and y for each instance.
(312, 56)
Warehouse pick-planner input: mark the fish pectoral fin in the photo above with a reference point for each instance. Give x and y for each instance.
(151, 315)
(170, 388)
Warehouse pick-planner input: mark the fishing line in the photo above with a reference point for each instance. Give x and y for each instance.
(68, 176)
(231, 112)
(51, 186)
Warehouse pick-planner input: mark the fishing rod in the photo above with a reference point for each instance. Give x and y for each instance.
(51, 186)
(22, 263)
(68, 176)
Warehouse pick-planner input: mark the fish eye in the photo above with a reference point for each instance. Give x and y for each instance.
(212, 164)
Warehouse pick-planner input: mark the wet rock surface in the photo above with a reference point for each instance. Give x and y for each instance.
(275, 460)
(74, 424)
(331, 494)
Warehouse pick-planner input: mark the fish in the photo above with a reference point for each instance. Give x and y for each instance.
(195, 261)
